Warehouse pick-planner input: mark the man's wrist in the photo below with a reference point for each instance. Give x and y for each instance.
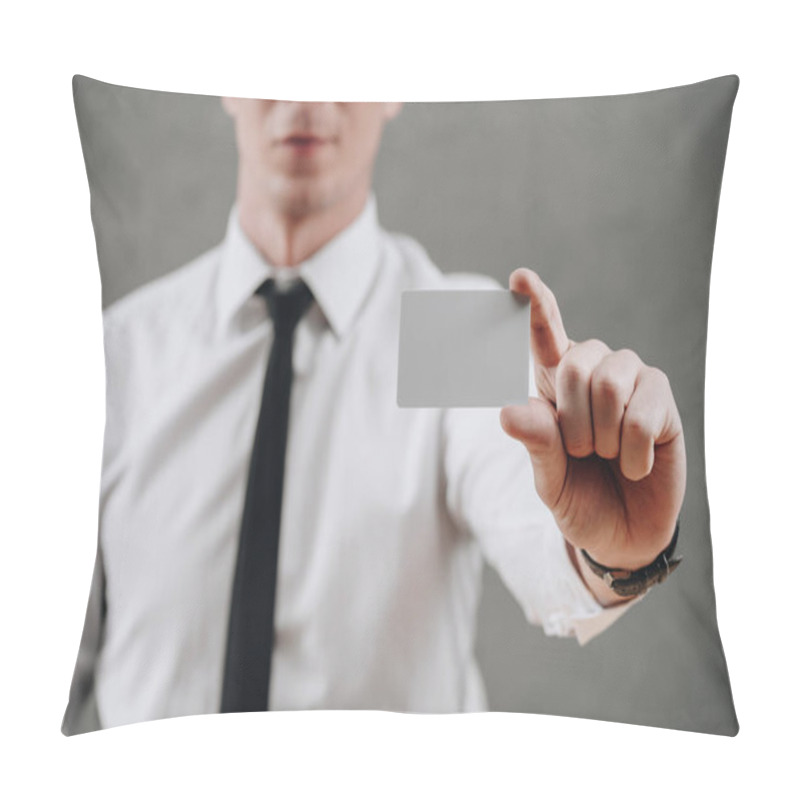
(630, 558)
(627, 582)
(600, 591)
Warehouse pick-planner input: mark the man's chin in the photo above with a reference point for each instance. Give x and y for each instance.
(304, 201)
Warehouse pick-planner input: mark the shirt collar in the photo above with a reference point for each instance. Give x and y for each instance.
(339, 274)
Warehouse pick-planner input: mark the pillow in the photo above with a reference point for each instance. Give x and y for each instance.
(417, 570)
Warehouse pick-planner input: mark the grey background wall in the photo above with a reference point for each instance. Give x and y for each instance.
(613, 200)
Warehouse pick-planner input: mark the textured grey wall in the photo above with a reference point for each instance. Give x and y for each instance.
(613, 200)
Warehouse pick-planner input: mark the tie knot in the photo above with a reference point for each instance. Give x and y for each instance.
(285, 307)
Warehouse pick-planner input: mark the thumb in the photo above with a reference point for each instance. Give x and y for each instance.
(536, 426)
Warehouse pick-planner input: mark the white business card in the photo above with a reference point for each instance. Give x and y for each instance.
(463, 349)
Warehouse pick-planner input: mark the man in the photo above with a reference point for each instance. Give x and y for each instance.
(384, 513)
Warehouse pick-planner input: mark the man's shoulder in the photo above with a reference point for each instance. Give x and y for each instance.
(417, 270)
(148, 334)
(181, 293)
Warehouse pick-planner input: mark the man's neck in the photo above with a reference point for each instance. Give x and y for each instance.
(286, 239)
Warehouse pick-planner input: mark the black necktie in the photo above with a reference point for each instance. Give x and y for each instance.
(250, 628)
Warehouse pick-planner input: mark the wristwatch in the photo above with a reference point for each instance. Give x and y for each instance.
(629, 583)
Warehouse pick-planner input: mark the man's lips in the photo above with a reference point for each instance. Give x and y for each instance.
(304, 141)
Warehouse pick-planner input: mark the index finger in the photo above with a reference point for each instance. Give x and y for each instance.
(549, 340)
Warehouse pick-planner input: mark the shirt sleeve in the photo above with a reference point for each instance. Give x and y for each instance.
(81, 715)
(490, 493)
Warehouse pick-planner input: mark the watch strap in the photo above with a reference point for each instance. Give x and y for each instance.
(629, 583)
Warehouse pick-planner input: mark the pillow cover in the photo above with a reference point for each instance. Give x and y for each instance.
(418, 570)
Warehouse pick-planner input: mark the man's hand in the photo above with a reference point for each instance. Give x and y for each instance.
(604, 437)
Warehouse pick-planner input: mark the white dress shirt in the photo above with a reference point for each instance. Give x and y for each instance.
(387, 512)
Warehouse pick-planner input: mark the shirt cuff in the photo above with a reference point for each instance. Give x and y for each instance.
(589, 627)
(583, 616)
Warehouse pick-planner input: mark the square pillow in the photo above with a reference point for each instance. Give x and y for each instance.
(418, 568)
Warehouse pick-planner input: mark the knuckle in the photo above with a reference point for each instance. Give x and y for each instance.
(544, 313)
(541, 319)
(659, 378)
(606, 388)
(577, 437)
(625, 361)
(574, 375)
(597, 345)
(626, 354)
(637, 427)
(571, 373)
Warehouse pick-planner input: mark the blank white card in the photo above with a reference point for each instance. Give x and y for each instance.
(463, 349)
